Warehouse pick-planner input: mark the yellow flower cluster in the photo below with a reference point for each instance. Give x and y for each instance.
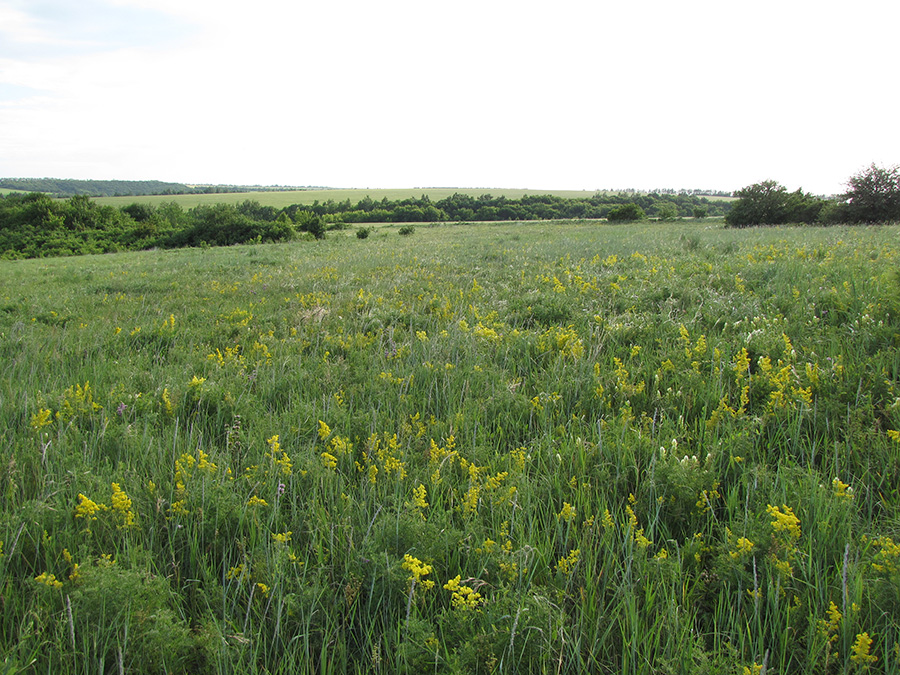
(784, 522)
(41, 418)
(861, 648)
(566, 564)
(417, 572)
(121, 505)
(87, 508)
(49, 580)
(462, 597)
(567, 513)
(279, 457)
(419, 495)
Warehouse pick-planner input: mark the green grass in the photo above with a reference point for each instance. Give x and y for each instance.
(643, 448)
(284, 198)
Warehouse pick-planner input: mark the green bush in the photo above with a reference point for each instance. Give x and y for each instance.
(625, 213)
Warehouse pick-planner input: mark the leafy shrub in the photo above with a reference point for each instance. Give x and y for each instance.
(406, 230)
(873, 196)
(625, 213)
(363, 232)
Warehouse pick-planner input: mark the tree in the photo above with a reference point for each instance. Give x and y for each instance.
(873, 195)
(667, 211)
(769, 203)
(625, 213)
(758, 204)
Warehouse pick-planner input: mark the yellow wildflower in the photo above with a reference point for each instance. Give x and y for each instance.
(568, 513)
(121, 505)
(48, 580)
(567, 563)
(41, 419)
(87, 508)
(462, 597)
(417, 572)
(784, 521)
(861, 649)
(282, 538)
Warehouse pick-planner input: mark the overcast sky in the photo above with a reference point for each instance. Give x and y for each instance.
(573, 94)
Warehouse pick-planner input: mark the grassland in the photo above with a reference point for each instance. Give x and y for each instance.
(514, 448)
(281, 199)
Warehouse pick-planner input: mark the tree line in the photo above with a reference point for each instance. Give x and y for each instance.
(36, 225)
(872, 196)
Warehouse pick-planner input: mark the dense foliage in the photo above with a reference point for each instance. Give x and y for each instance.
(872, 196)
(646, 448)
(769, 203)
(35, 225)
(463, 207)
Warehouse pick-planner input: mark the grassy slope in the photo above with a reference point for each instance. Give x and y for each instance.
(621, 487)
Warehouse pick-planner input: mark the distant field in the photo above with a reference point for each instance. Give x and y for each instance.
(286, 198)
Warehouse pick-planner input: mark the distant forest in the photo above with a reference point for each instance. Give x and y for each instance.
(36, 225)
(66, 187)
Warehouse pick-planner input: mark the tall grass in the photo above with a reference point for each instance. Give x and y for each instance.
(507, 448)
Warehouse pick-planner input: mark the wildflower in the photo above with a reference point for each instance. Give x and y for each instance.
(263, 589)
(329, 460)
(607, 520)
(842, 490)
(120, 410)
(256, 501)
(167, 402)
(87, 508)
(282, 538)
(462, 597)
(49, 580)
(743, 547)
(324, 430)
(567, 514)
(121, 505)
(40, 419)
(196, 381)
(784, 521)
(567, 563)
(417, 572)
(470, 500)
(419, 497)
(861, 649)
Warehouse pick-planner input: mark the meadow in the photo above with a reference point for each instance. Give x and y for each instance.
(525, 447)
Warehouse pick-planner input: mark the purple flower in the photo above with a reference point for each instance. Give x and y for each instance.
(121, 409)
(281, 489)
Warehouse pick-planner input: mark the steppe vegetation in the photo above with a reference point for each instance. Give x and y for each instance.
(529, 447)
(35, 225)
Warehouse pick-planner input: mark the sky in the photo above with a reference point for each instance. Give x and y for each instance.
(574, 94)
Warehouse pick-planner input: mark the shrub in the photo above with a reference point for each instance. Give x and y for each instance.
(407, 230)
(873, 195)
(625, 213)
(363, 232)
(769, 203)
